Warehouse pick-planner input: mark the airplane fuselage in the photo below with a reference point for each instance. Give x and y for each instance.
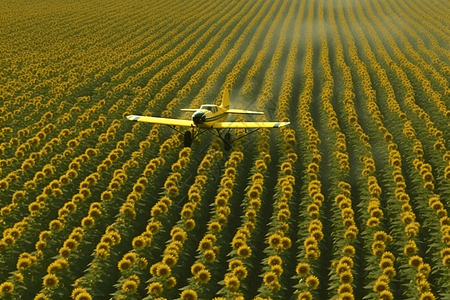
(209, 114)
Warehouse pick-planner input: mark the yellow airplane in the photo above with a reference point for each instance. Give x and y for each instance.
(210, 116)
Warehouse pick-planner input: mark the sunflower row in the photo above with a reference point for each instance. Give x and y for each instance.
(207, 264)
(194, 78)
(176, 59)
(278, 240)
(433, 41)
(326, 95)
(425, 169)
(310, 230)
(70, 207)
(408, 217)
(380, 238)
(440, 143)
(134, 261)
(344, 244)
(111, 238)
(349, 95)
(431, 21)
(372, 190)
(237, 13)
(288, 75)
(423, 115)
(199, 57)
(157, 56)
(52, 189)
(159, 282)
(53, 59)
(237, 69)
(420, 76)
(234, 283)
(257, 64)
(230, 53)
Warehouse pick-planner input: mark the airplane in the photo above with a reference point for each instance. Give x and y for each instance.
(208, 117)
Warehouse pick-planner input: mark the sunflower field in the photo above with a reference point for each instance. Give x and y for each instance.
(349, 202)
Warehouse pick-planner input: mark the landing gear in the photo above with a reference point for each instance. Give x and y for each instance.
(187, 138)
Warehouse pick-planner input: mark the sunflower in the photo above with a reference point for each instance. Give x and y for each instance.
(215, 226)
(84, 296)
(50, 281)
(129, 286)
(23, 263)
(385, 263)
(56, 225)
(40, 296)
(18, 276)
(286, 242)
(410, 248)
(274, 260)
(345, 288)
(87, 222)
(6, 288)
(305, 296)
(427, 296)
(62, 262)
(349, 250)
(346, 296)
(169, 260)
(203, 276)
(142, 263)
(171, 282)
(240, 272)
(302, 269)
(189, 295)
(139, 242)
(155, 288)
(209, 256)
(389, 272)
(153, 226)
(380, 286)
(235, 263)
(244, 251)
(415, 261)
(386, 295)
(179, 236)
(275, 240)
(190, 224)
(163, 270)
(378, 247)
(206, 244)
(54, 267)
(232, 282)
(424, 269)
(342, 267)
(64, 251)
(346, 277)
(196, 268)
(350, 234)
(312, 281)
(71, 243)
(124, 264)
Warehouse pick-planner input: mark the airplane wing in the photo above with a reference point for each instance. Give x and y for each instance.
(222, 125)
(241, 111)
(163, 121)
(189, 109)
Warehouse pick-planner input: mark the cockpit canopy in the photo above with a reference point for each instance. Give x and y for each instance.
(211, 108)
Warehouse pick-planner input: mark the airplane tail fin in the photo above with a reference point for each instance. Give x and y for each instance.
(225, 99)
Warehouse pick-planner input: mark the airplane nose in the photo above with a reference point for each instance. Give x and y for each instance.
(199, 118)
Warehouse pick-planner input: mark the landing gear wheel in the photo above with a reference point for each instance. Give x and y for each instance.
(227, 141)
(187, 139)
